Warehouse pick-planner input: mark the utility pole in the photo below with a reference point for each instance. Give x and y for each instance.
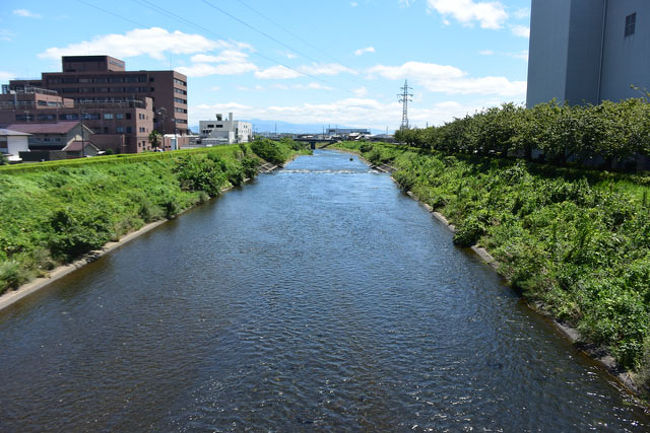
(405, 97)
(81, 119)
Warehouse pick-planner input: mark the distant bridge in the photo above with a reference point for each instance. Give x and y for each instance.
(316, 143)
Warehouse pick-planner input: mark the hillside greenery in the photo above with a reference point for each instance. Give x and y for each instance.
(56, 211)
(575, 242)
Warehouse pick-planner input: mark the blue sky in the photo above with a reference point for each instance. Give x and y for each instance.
(320, 62)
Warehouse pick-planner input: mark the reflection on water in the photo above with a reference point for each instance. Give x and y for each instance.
(318, 298)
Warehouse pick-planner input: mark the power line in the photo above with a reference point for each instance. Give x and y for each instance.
(289, 32)
(258, 30)
(364, 83)
(152, 6)
(163, 11)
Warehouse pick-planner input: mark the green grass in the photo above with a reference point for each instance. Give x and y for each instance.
(576, 241)
(54, 212)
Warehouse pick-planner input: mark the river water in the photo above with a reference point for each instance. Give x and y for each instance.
(317, 299)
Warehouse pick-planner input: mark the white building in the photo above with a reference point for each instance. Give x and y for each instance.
(587, 51)
(225, 131)
(13, 142)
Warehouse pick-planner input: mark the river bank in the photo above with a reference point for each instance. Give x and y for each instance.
(11, 297)
(414, 180)
(317, 298)
(59, 216)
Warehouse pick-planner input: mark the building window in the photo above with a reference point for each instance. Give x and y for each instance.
(119, 130)
(630, 24)
(108, 116)
(141, 129)
(129, 130)
(119, 115)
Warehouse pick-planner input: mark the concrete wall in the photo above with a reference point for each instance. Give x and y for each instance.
(627, 59)
(579, 52)
(585, 42)
(548, 51)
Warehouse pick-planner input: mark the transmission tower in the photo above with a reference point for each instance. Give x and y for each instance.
(405, 97)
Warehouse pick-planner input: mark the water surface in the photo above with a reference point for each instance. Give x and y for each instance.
(317, 299)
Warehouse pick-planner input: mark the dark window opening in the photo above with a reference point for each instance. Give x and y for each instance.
(630, 24)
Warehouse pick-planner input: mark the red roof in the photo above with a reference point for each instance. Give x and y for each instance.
(44, 128)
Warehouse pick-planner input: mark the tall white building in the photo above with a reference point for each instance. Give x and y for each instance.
(224, 131)
(587, 51)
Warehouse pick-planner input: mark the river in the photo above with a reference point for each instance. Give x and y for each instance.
(316, 299)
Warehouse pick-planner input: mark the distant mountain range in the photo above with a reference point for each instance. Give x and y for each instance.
(294, 128)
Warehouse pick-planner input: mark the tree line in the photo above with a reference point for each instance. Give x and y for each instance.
(609, 135)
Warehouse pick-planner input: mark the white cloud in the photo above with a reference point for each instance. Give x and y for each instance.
(215, 88)
(450, 80)
(154, 42)
(354, 4)
(361, 112)
(406, 3)
(361, 91)
(225, 56)
(6, 76)
(523, 13)
(25, 13)
(521, 31)
(205, 69)
(325, 69)
(361, 51)
(523, 55)
(278, 72)
(490, 14)
(486, 52)
(6, 35)
(291, 55)
(312, 86)
(417, 70)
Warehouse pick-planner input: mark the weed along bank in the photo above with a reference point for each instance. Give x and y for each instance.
(56, 212)
(573, 242)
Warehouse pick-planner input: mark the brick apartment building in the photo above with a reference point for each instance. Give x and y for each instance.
(120, 125)
(115, 103)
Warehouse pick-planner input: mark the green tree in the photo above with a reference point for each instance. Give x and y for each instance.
(3, 159)
(155, 138)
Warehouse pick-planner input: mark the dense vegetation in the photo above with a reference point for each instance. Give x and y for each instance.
(577, 242)
(54, 212)
(610, 135)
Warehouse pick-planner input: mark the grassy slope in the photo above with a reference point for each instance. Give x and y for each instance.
(576, 241)
(54, 212)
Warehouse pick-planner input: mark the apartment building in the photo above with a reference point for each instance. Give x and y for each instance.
(121, 125)
(587, 51)
(102, 79)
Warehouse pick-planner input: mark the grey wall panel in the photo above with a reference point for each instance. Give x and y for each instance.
(548, 51)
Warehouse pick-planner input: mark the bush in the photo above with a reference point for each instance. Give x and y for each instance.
(10, 275)
(468, 232)
(269, 150)
(76, 233)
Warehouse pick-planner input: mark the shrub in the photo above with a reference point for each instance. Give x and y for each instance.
(10, 275)
(468, 232)
(272, 151)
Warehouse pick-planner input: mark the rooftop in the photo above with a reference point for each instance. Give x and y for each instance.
(10, 132)
(44, 128)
